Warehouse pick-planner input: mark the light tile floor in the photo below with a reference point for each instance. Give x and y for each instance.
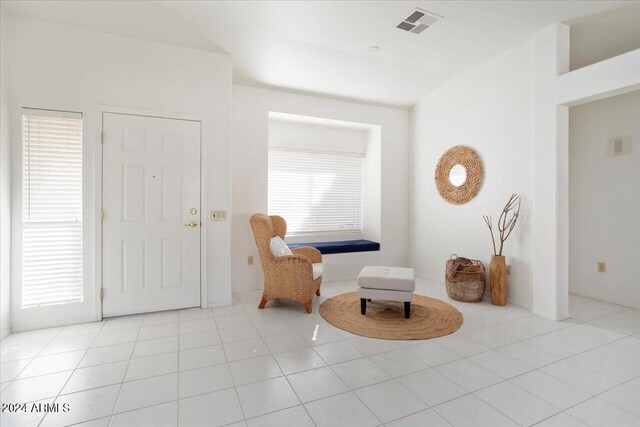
(240, 366)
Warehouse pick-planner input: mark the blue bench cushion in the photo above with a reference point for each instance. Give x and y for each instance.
(341, 247)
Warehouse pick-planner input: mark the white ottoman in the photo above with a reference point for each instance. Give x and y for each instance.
(386, 283)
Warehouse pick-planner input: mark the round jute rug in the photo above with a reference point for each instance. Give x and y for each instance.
(430, 318)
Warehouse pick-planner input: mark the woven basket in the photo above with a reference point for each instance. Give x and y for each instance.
(465, 279)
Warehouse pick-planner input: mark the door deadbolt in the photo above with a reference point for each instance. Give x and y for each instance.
(193, 211)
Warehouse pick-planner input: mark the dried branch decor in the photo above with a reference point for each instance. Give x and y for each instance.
(506, 222)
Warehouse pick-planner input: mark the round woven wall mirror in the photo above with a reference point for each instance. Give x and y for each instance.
(459, 175)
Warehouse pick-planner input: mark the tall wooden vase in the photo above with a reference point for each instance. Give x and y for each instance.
(498, 280)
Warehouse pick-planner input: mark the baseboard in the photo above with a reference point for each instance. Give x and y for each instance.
(550, 316)
(604, 300)
(515, 303)
(56, 324)
(5, 333)
(212, 304)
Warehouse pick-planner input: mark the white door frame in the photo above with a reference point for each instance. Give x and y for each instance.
(100, 111)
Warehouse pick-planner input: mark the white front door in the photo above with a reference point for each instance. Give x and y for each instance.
(151, 202)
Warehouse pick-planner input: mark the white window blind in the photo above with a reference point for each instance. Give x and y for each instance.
(315, 191)
(52, 207)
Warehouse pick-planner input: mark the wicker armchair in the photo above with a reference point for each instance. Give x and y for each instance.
(291, 276)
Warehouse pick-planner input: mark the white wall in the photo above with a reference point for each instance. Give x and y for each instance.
(58, 67)
(604, 201)
(306, 136)
(604, 35)
(250, 126)
(488, 107)
(5, 184)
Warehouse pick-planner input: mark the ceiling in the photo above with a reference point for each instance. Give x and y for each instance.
(322, 47)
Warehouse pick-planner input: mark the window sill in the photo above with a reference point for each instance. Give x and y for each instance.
(341, 247)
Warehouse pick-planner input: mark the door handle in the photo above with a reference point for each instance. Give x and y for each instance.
(191, 224)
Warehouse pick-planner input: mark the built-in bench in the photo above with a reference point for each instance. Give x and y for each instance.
(341, 247)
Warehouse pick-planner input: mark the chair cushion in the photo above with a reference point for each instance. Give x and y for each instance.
(341, 246)
(278, 247)
(317, 270)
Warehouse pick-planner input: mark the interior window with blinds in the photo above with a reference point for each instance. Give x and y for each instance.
(316, 192)
(52, 207)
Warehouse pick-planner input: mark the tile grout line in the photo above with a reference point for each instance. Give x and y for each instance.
(493, 349)
(286, 379)
(502, 380)
(625, 335)
(595, 396)
(349, 387)
(299, 400)
(548, 364)
(535, 369)
(122, 382)
(74, 370)
(34, 357)
(233, 381)
(119, 413)
(429, 367)
(31, 361)
(115, 405)
(172, 372)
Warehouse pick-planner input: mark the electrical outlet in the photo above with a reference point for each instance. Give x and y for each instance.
(602, 267)
(249, 260)
(218, 215)
(619, 146)
(508, 268)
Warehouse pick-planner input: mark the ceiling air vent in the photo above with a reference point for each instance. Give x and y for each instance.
(418, 21)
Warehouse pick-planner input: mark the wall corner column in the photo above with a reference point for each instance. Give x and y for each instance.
(550, 269)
